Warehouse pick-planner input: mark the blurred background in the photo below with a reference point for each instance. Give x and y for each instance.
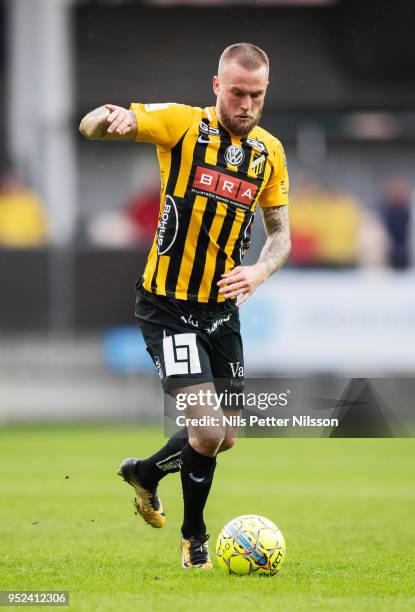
(77, 218)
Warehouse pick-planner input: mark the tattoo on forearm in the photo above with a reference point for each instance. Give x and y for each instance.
(98, 119)
(94, 125)
(277, 247)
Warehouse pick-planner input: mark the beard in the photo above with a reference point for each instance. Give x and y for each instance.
(237, 126)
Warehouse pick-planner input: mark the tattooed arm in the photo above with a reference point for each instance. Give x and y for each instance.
(243, 280)
(278, 245)
(109, 122)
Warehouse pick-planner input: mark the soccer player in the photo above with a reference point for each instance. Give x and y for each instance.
(216, 165)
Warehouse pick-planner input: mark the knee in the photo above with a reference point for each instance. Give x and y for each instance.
(207, 445)
(227, 443)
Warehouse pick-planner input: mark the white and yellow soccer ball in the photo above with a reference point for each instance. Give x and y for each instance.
(250, 544)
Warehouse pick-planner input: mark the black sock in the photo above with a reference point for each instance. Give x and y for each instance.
(165, 461)
(197, 474)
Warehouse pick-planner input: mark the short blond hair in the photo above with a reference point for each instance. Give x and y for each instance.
(246, 55)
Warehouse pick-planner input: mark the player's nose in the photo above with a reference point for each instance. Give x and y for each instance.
(246, 103)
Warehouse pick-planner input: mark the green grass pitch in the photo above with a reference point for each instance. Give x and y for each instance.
(346, 508)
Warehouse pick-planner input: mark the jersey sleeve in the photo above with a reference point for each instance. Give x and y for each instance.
(275, 192)
(162, 124)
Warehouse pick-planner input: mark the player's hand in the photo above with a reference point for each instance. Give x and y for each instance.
(241, 282)
(121, 121)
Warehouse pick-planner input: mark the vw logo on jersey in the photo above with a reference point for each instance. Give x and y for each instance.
(234, 155)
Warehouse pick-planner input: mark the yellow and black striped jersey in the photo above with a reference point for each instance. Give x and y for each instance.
(211, 182)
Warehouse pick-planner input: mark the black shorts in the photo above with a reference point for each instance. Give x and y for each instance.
(190, 340)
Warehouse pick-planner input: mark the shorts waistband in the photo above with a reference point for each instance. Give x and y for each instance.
(202, 310)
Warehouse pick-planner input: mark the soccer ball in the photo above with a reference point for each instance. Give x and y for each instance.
(250, 544)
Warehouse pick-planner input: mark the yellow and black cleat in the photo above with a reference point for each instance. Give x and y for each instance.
(148, 503)
(195, 552)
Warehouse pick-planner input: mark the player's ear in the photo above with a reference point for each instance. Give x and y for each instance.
(216, 85)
